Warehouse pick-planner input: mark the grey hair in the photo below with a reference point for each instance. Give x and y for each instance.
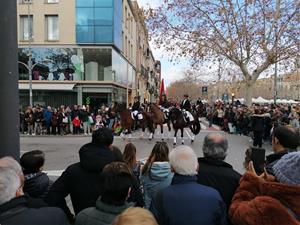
(9, 184)
(11, 163)
(215, 149)
(184, 160)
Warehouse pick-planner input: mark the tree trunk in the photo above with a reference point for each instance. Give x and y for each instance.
(249, 93)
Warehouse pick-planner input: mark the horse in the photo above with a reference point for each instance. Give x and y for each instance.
(158, 118)
(179, 123)
(127, 121)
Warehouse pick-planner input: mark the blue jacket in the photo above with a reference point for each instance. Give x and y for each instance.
(186, 202)
(47, 116)
(159, 177)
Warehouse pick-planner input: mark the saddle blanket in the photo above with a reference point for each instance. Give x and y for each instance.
(188, 115)
(135, 114)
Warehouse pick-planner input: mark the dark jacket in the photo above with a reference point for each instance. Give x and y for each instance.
(257, 122)
(84, 116)
(186, 104)
(102, 214)
(220, 176)
(272, 159)
(81, 180)
(186, 202)
(36, 185)
(16, 212)
(136, 106)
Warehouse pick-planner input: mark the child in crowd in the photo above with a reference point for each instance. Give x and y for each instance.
(76, 124)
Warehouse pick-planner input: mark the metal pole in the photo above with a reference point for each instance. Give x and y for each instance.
(276, 45)
(9, 115)
(29, 55)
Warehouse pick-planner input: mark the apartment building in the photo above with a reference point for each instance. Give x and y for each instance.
(83, 51)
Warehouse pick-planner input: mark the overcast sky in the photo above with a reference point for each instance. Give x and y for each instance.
(170, 72)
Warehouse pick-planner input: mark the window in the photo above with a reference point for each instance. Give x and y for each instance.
(26, 29)
(52, 29)
(25, 1)
(52, 1)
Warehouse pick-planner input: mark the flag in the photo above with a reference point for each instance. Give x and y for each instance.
(162, 89)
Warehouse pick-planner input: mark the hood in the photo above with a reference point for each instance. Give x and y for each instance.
(94, 158)
(36, 184)
(160, 170)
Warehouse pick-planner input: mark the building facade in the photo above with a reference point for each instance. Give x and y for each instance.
(83, 51)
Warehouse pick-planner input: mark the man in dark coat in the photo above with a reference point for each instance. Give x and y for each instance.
(186, 104)
(186, 202)
(284, 140)
(257, 122)
(136, 107)
(214, 172)
(14, 208)
(81, 180)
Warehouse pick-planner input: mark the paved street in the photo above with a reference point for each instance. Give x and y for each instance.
(62, 151)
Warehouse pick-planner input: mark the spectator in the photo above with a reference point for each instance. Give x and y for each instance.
(261, 200)
(84, 118)
(135, 216)
(257, 121)
(47, 117)
(129, 157)
(29, 120)
(14, 208)
(186, 202)
(284, 140)
(117, 180)
(76, 125)
(99, 122)
(156, 173)
(36, 183)
(81, 180)
(214, 172)
(74, 113)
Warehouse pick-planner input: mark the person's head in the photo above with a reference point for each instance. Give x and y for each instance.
(135, 216)
(129, 154)
(98, 118)
(103, 136)
(287, 169)
(184, 161)
(136, 99)
(160, 153)
(186, 96)
(284, 137)
(215, 146)
(10, 185)
(83, 108)
(117, 180)
(33, 161)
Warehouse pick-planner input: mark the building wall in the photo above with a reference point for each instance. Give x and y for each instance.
(65, 10)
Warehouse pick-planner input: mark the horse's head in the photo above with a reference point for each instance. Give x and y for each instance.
(175, 114)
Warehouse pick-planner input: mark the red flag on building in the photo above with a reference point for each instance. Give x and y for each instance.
(162, 89)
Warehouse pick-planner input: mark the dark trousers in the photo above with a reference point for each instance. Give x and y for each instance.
(258, 136)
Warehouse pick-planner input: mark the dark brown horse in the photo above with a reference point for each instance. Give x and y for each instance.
(179, 123)
(158, 118)
(127, 121)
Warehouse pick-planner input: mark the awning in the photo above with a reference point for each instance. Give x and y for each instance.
(50, 87)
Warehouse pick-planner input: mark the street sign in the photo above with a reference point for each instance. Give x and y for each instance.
(204, 90)
(87, 100)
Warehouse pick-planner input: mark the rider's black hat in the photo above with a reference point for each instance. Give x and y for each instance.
(186, 95)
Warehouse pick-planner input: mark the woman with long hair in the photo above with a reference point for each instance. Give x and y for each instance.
(129, 157)
(156, 173)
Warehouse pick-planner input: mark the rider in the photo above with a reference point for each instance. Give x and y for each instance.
(136, 107)
(186, 108)
(165, 105)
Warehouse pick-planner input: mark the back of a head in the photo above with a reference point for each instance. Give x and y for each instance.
(184, 160)
(11, 163)
(32, 161)
(9, 184)
(288, 137)
(215, 146)
(117, 180)
(135, 216)
(129, 154)
(103, 136)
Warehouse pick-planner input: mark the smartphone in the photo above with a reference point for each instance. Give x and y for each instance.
(258, 158)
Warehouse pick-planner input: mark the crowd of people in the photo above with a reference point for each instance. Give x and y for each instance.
(108, 186)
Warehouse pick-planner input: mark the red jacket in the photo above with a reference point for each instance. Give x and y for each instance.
(76, 122)
(260, 202)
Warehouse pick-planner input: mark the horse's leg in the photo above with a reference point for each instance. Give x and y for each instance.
(182, 140)
(175, 135)
(169, 129)
(162, 131)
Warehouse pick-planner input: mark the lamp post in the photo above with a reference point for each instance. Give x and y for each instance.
(29, 63)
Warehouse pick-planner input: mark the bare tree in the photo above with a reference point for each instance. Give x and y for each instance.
(252, 34)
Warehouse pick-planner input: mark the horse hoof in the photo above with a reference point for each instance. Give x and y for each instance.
(192, 141)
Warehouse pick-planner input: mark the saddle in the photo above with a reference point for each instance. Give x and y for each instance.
(187, 116)
(135, 115)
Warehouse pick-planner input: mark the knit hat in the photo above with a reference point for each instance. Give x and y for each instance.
(287, 169)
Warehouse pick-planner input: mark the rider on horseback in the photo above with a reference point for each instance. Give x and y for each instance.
(165, 105)
(136, 108)
(186, 107)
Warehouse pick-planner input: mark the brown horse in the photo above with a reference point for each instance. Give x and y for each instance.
(127, 121)
(158, 118)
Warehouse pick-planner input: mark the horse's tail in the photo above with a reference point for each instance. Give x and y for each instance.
(196, 127)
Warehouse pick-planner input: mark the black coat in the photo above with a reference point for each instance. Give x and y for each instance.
(136, 106)
(186, 105)
(16, 212)
(219, 175)
(257, 122)
(36, 185)
(83, 180)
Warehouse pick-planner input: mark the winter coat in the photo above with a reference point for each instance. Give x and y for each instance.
(185, 202)
(257, 201)
(220, 176)
(186, 104)
(36, 185)
(257, 122)
(16, 212)
(76, 122)
(48, 116)
(102, 214)
(81, 180)
(272, 159)
(84, 116)
(158, 177)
